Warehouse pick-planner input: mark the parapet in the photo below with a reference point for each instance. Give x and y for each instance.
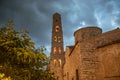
(108, 38)
(56, 16)
(87, 33)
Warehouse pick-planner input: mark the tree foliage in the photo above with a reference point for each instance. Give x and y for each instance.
(19, 59)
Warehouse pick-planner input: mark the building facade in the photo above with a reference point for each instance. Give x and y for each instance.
(95, 55)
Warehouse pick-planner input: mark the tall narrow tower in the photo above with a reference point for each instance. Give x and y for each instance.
(57, 49)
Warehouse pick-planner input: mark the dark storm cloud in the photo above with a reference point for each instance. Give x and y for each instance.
(36, 16)
(107, 14)
(27, 15)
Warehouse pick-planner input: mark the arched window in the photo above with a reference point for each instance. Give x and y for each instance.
(55, 38)
(54, 50)
(60, 62)
(59, 39)
(57, 28)
(60, 50)
(55, 62)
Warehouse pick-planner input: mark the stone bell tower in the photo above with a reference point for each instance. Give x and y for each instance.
(57, 49)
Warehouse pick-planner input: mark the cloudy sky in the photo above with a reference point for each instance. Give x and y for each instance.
(36, 17)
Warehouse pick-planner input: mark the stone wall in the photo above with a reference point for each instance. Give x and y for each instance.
(108, 38)
(92, 55)
(109, 58)
(70, 67)
(87, 33)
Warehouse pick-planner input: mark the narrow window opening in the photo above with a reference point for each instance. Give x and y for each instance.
(60, 62)
(56, 20)
(55, 38)
(60, 51)
(73, 78)
(77, 74)
(54, 62)
(67, 76)
(59, 39)
(54, 50)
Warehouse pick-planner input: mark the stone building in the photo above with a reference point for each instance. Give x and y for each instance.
(57, 50)
(95, 55)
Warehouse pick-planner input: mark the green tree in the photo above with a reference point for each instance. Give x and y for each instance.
(19, 59)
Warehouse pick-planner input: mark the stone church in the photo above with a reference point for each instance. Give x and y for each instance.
(95, 55)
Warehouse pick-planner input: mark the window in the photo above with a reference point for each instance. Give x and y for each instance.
(54, 62)
(60, 50)
(56, 20)
(77, 76)
(67, 76)
(54, 50)
(60, 62)
(57, 28)
(55, 38)
(59, 39)
(73, 78)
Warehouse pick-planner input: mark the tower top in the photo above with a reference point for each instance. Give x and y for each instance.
(56, 14)
(57, 19)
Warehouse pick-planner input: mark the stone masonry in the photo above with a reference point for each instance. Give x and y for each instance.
(95, 56)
